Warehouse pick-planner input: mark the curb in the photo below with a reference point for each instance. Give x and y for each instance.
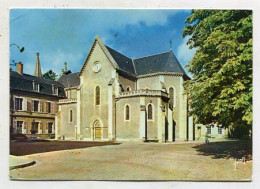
(22, 165)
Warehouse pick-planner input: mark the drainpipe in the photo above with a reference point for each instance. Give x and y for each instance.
(115, 117)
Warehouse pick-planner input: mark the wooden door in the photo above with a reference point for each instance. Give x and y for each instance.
(97, 133)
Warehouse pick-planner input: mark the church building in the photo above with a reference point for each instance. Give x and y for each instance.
(114, 97)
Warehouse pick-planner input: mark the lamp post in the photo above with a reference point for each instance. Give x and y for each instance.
(12, 104)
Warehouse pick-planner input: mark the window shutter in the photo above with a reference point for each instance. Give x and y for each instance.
(41, 124)
(15, 104)
(24, 104)
(55, 106)
(52, 106)
(32, 105)
(24, 127)
(14, 126)
(41, 106)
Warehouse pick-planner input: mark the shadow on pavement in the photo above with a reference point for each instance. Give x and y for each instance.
(227, 149)
(20, 148)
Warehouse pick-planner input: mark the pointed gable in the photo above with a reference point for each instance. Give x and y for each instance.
(104, 49)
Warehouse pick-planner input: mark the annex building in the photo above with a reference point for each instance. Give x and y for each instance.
(114, 97)
(33, 102)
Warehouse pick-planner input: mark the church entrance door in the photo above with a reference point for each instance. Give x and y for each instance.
(97, 130)
(98, 133)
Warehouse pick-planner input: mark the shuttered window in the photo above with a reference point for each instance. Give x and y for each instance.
(48, 107)
(19, 103)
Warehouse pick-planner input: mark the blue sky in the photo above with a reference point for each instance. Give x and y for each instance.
(61, 35)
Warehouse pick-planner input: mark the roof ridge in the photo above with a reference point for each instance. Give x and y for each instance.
(39, 78)
(118, 52)
(152, 55)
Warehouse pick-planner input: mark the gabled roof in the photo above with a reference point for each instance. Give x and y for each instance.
(164, 62)
(25, 83)
(158, 63)
(70, 80)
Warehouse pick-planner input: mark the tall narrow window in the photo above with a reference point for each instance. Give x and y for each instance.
(128, 88)
(35, 105)
(209, 130)
(171, 95)
(127, 113)
(97, 95)
(70, 115)
(48, 107)
(50, 124)
(18, 103)
(150, 112)
(219, 130)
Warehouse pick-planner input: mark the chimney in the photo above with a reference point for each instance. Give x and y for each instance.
(19, 68)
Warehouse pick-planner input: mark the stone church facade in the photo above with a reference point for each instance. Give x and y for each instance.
(114, 97)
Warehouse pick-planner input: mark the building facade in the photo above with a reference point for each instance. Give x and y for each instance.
(33, 102)
(114, 97)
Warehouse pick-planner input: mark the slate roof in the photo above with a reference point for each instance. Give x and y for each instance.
(25, 83)
(164, 62)
(158, 63)
(123, 61)
(70, 80)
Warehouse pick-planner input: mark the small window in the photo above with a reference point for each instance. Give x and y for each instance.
(50, 124)
(70, 116)
(36, 86)
(127, 113)
(48, 107)
(55, 89)
(97, 92)
(19, 103)
(150, 112)
(208, 130)
(219, 130)
(35, 105)
(128, 88)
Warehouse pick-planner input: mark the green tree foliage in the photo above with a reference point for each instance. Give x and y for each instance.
(221, 88)
(50, 75)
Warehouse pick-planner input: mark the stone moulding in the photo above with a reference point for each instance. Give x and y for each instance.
(137, 93)
(67, 101)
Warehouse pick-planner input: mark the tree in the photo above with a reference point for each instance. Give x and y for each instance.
(221, 87)
(50, 75)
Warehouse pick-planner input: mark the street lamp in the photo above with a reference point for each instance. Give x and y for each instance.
(20, 49)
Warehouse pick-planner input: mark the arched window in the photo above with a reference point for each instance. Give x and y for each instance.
(127, 113)
(150, 112)
(70, 116)
(171, 95)
(97, 99)
(128, 88)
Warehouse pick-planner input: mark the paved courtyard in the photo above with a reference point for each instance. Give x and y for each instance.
(141, 161)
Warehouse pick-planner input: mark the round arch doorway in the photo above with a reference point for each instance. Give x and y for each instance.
(97, 128)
